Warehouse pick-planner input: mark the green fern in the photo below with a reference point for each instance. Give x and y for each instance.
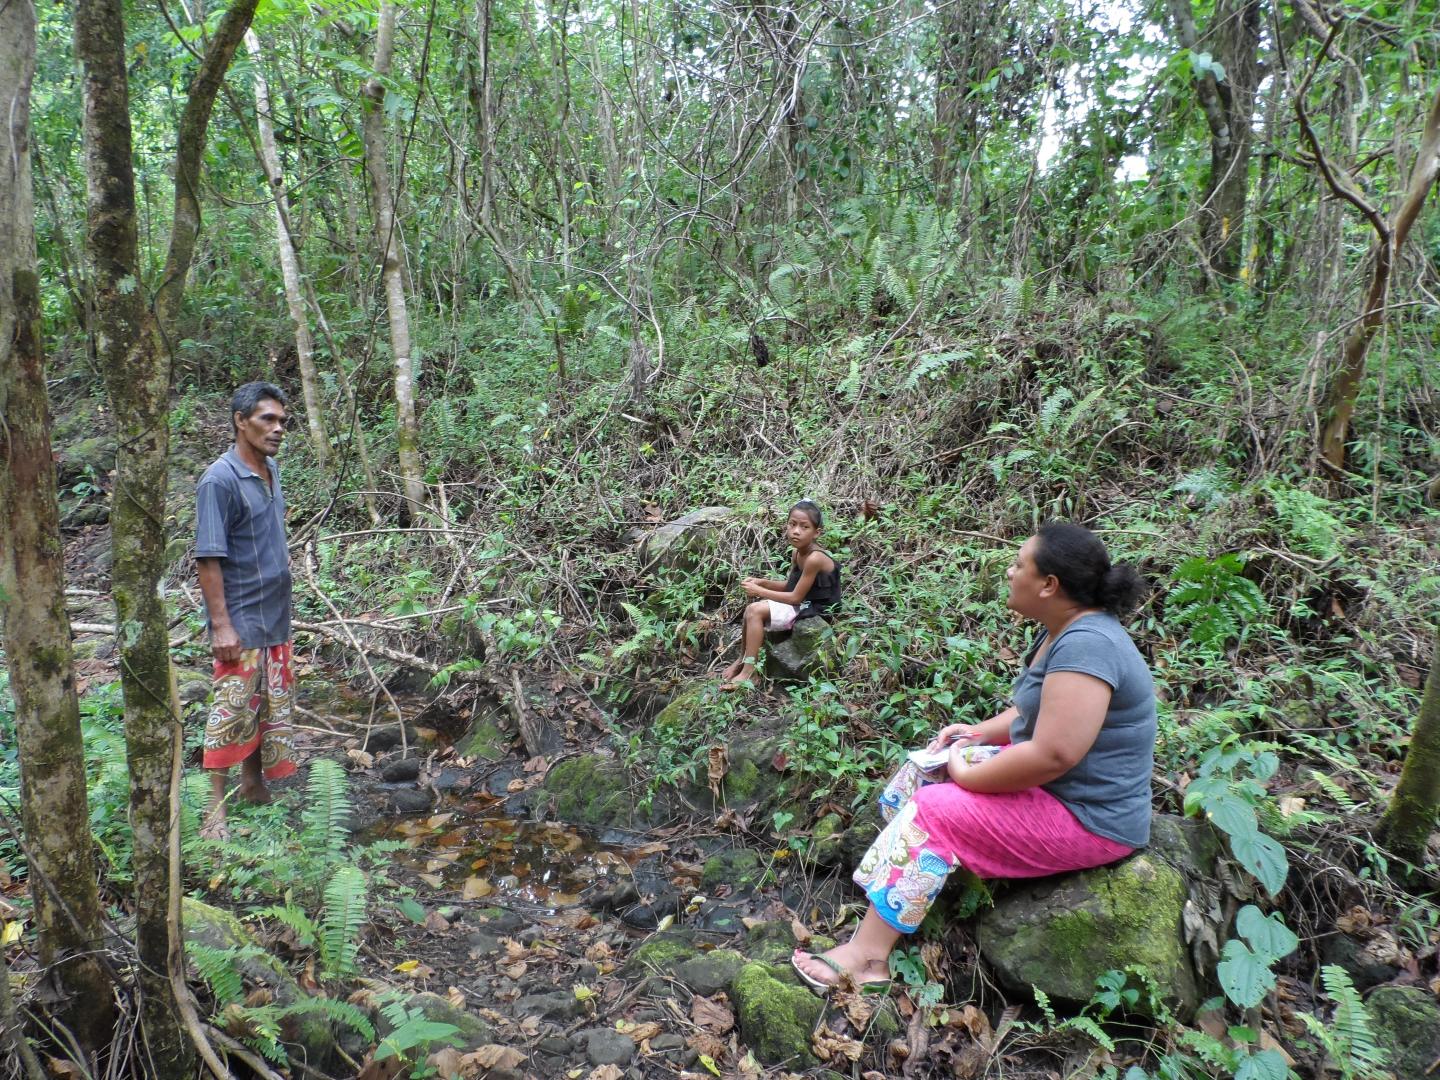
(324, 823)
(1214, 601)
(340, 923)
(1306, 520)
(300, 923)
(220, 968)
(1349, 1037)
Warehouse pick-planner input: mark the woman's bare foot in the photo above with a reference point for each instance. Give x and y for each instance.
(863, 969)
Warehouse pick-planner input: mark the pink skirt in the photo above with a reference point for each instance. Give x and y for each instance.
(935, 825)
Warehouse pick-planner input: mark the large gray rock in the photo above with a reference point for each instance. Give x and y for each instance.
(1407, 1023)
(795, 655)
(471, 1032)
(1061, 933)
(679, 543)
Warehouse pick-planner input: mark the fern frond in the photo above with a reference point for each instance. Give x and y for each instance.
(1352, 1026)
(306, 932)
(340, 923)
(1051, 406)
(324, 823)
(218, 968)
(336, 1011)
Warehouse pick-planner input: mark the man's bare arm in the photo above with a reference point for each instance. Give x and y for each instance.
(224, 642)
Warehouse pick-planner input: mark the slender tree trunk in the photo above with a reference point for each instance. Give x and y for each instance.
(1233, 39)
(1410, 817)
(1338, 404)
(134, 349)
(289, 260)
(391, 242)
(32, 587)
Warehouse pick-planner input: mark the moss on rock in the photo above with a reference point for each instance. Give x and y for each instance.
(1407, 1023)
(1062, 933)
(739, 867)
(484, 740)
(590, 790)
(663, 954)
(776, 1017)
(470, 1029)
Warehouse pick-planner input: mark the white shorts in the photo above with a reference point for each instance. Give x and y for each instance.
(782, 616)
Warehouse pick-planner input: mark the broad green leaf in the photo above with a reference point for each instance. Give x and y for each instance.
(1244, 976)
(1266, 1065)
(1266, 934)
(1263, 857)
(1232, 815)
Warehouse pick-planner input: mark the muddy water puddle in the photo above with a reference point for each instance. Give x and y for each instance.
(478, 852)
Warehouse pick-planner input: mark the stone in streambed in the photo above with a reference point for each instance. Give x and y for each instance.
(792, 656)
(472, 1032)
(410, 801)
(709, 973)
(679, 543)
(606, 1046)
(401, 770)
(556, 1005)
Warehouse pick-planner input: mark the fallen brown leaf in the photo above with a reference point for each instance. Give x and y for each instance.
(639, 1032)
(456, 997)
(801, 932)
(717, 765)
(493, 1056)
(712, 1014)
(829, 1045)
(476, 888)
(446, 1062)
(436, 922)
(605, 1072)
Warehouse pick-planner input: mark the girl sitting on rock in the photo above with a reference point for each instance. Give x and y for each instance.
(1070, 787)
(812, 588)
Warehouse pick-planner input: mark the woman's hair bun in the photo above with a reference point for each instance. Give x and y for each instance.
(1078, 559)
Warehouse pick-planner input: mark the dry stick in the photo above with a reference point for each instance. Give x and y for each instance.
(12, 1031)
(354, 644)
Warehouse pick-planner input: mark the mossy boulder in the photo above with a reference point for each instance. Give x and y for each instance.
(770, 941)
(739, 868)
(678, 544)
(1407, 1023)
(311, 1036)
(484, 739)
(792, 656)
(1060, 933)
(591, 790)
(470, 1029)
(777, 1015)
(192, 686)
(88, 460)
(663, 954)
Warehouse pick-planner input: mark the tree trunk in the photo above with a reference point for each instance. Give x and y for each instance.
(133, 348)
(1338, 404)
(1232, 39)
(1410, 817)
(289, 260)
(32, 585)
(391, 242)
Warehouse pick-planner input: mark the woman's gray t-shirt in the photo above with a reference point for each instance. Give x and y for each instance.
(1109, 789)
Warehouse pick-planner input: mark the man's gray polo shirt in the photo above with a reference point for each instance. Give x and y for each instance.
(241, 522)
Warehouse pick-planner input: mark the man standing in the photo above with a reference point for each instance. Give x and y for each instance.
(244, 569)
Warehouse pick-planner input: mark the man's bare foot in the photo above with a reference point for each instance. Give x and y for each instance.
(826, 969)
(256, 794)
(215, 827)
(730, 672)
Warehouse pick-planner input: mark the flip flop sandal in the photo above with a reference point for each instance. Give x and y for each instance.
(874, 986)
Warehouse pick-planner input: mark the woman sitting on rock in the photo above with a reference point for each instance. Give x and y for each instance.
(1070, 785)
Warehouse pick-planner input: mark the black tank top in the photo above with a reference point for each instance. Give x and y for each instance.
(824, 595)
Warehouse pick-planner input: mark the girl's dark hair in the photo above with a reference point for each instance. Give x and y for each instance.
(810, 510)
(1080, 562)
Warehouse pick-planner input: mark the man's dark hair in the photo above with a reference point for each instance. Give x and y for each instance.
(247, 398)
(810, 510)
(1080, 562)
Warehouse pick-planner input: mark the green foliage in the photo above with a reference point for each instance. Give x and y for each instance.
(336, 934)
(325, 819)
(1228, 789)
(413, 1035)
(1348, 1038)
(1213, 601)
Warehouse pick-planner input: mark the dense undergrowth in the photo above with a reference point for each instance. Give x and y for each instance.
(1287, 626)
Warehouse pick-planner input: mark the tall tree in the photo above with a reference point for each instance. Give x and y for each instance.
(289, 258)
(32, 586)
(133, 347)
(1227, 73)
(391, 242)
